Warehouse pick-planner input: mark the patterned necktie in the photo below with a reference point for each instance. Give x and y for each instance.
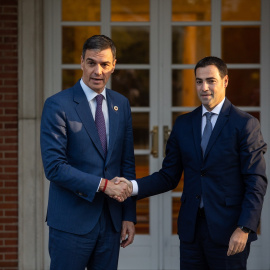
(100, 123)
(207, 132)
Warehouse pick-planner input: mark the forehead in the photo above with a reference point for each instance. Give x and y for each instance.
(210, 71)
(99, 55)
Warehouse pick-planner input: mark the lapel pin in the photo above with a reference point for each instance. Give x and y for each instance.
(115, 108)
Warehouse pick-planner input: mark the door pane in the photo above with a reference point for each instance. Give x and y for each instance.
(241, 10)
(140, 124)
(190, 43)
(176, 204)
(133, 84)
(73, 38)
(183, 88)
(142, 169)
(241, 44)
(244, 87)
(195, 10)
(126, 11)
(80, 10)
(70, 77)
(132, 43)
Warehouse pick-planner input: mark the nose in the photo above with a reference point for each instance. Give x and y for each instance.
(98, 69)
(204, 86)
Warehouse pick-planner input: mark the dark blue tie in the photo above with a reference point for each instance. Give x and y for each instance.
(100, 123)
(206, 132)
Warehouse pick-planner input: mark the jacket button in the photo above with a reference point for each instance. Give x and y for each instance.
(105, 169)
(198, 197)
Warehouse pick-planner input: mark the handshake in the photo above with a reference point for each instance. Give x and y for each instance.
(118, 188)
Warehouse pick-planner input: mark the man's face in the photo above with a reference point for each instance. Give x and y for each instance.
(97, 67)
(210, 86)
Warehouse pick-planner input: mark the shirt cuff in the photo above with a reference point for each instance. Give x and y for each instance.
(135, 188)
(99, 185)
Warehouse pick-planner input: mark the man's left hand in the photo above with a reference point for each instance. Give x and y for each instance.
(127, 233)
(237, 242)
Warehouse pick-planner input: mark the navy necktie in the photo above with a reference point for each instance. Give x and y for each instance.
(205, 138)
(100, 123)
(206, 132)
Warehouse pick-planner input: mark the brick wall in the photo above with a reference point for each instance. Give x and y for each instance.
(8, 134)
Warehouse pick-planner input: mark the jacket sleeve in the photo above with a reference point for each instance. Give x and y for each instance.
(253, 170)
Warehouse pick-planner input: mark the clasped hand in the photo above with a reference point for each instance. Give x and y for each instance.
(119, 188)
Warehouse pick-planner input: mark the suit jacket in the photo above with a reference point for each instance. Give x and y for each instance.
(231, 176)
(74, 161)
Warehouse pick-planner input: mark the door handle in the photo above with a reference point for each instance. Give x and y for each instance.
(154, 135)
(166, 135)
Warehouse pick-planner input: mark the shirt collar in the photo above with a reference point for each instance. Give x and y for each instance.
(91, 94)
(216, 110)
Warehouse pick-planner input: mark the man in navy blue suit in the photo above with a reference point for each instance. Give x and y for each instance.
(86, 140)
(225, 179)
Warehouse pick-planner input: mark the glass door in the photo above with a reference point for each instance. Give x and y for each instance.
(158, 44)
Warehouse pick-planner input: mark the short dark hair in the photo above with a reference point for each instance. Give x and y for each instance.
(99, 42)
(213, 60)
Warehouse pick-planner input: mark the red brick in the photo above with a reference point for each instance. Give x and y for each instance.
(9, 220)
(8, 234)
(8, 264)
(12, 111)
(11, 198)
(11, 242)
(10, 9)
(11, 155)
(11, 256)
(8, 162)
(8, 176)
(11, 169)
(8, 206)
(11, 213)
(10, 228)
(9, 191)
(11, 140)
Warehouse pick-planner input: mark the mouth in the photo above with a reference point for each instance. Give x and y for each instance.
(96, 79)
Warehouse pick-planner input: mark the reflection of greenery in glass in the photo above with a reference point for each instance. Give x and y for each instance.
(241, 44)
(80, 10)
(140, 124)
(132, 44)
(133, 84)
(244, 87)
(73, 38)
(190, 43)
(70, 77)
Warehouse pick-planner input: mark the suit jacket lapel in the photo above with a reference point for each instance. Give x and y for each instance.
(85, 114)
(113, 110)
(197, 126)
(222, 119)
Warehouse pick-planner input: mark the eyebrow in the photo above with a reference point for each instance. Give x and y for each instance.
(210, 78)
(90, 59)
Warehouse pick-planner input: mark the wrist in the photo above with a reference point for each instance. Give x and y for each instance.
(244, 229)
(103, 184)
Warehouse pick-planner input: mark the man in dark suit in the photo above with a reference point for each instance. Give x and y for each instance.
(225, 179)
(86, 138)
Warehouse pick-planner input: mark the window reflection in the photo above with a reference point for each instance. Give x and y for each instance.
(127, 11)
(190, 44)
(133, 84)
(80, 10)
(176, 204)
(70, 77)
(195, 10)
(132, 43)
(73, 38)
(244, 87)
(183, 88)
(241, 10)
(241, 44)
(140, 124)
(142, 169)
